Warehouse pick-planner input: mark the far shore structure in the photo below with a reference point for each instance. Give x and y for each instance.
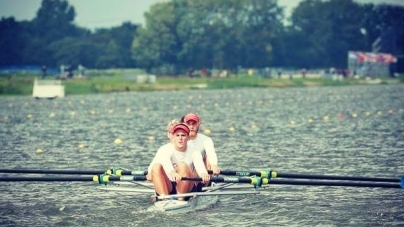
(372, 65)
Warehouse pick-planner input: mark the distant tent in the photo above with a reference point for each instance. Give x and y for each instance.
(370, 64)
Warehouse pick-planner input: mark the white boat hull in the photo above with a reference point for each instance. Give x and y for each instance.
(195, 203)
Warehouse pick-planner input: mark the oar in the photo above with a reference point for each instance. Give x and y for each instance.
(258, 181)
(117, 171)
(263, 174)
(102, 178)
(273, 174)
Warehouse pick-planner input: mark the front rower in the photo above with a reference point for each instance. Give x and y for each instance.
(176, 160)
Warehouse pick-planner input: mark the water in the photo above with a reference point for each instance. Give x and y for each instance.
(354, 130)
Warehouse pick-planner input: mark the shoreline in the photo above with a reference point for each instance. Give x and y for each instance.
(23, 85)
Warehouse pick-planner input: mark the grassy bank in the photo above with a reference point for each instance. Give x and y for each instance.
(104, 81)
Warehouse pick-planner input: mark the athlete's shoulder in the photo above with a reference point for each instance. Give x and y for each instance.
(166, 147)
(202, 136)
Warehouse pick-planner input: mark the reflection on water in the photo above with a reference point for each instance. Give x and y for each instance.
(354, 130)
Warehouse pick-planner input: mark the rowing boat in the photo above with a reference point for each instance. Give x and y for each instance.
(208, 197)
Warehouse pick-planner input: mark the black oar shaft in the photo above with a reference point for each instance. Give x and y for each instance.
(273, 174)
(334, 183)
(253, 180)
(44, 171)
(72, 172)
(50, 179)
(332, 177)
(223, 179)
(98, 178)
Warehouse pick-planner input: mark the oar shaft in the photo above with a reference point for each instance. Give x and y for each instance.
(49, 179)
(273, 174)
(103, 178)
(256, 181)
(334, 183)
(333, 177)
(73, 172)
(52, 171)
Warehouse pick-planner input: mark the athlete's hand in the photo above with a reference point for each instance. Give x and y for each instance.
(176, 176)
(215, 170)
(149, 177)
(205, 178)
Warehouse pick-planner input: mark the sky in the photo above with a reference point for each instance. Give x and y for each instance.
(94, 14)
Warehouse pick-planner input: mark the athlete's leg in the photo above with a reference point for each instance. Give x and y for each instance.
(162, 184)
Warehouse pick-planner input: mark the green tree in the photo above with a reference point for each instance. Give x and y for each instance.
(212, 33)
(13, 41)
(328, 31)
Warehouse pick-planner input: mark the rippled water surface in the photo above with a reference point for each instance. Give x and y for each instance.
(355, 130)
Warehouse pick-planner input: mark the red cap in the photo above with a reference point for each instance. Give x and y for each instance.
(180, 126)
(191, 117)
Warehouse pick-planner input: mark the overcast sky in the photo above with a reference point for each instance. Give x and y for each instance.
(108, 13)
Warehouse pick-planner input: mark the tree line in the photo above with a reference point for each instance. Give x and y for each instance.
(222, 34)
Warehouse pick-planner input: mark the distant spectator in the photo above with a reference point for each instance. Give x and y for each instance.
(191, 72)
(69, 72)
(62, 71)
(43, 69)
(204, 72)
(347, 72)
(304, 72)
(82, 71)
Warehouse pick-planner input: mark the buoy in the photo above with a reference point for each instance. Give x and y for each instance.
(207, 131)
(81, 146)
(232, 129)
(118, 141)
(326, 118)
(39, 150)
(310, 120)
(52, 114)
(292, 122)
(354, 115)
(150, 138)
(30, 116)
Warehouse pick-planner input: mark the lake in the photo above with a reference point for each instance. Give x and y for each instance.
(348, 131)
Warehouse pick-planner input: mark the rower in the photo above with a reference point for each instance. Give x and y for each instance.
(203, 143)
(175, 160)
